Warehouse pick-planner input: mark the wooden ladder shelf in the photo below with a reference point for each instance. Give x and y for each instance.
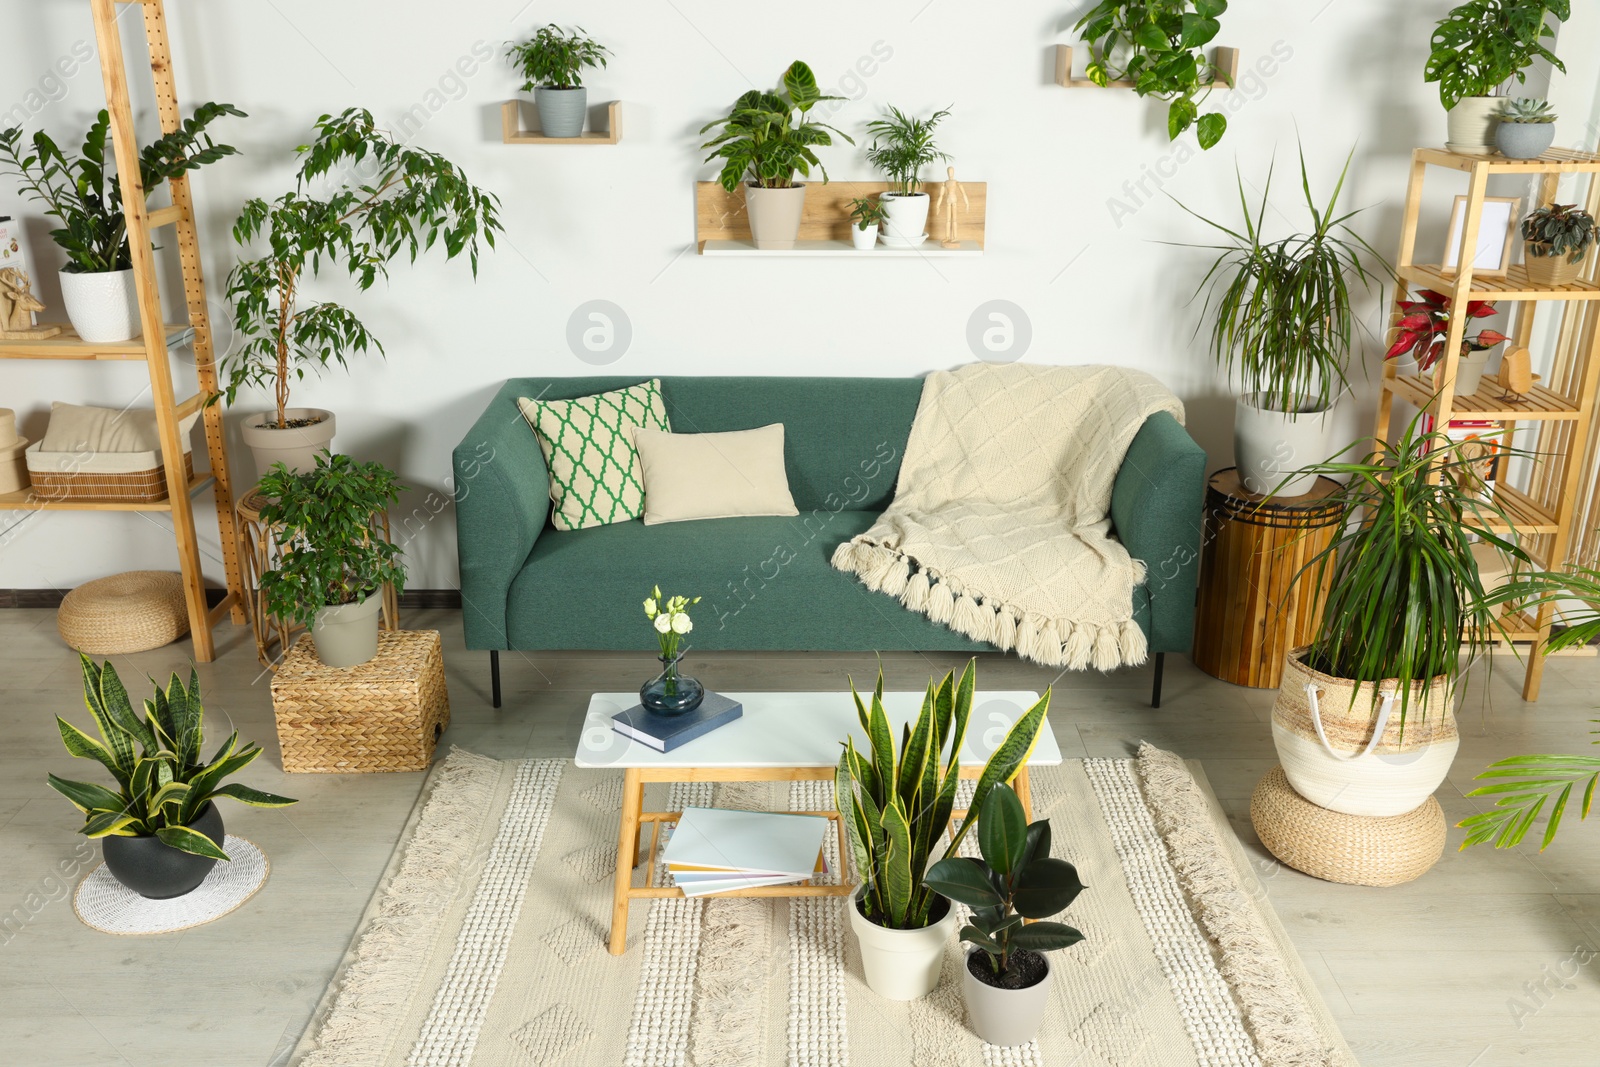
(158, 338)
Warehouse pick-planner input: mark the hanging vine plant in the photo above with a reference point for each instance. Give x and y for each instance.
(1159, 46)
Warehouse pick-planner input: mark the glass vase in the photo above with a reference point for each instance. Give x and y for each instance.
(671, 692)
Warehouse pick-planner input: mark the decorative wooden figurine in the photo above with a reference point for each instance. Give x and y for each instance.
(1516, 373)
(949, 189)
(17, 305)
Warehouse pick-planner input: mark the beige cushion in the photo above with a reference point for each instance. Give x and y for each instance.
(90, 430)
(713, 475)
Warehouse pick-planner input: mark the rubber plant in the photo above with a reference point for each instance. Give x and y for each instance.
(1424, 329)
(162, 782)
(767, 137)
(897, 803)
(1159, 46)
(383, 199)
(1482, 44)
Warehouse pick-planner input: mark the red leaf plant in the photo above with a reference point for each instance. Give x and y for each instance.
(1424, 329)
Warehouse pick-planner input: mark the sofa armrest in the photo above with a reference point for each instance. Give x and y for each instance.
(1156, 510)
(502, 490)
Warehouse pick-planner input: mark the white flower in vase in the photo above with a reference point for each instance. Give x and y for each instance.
(663, 624)
(681, 624)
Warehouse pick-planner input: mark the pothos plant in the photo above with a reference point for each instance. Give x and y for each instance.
(555, 59)
(1482, 44)
(1159, 46)
(361, 199)
(768, 137)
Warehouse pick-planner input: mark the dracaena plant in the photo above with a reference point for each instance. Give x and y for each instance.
(162, 782)
(1424, 329)
(555, 59)
(767, 137)
(1559, 230)
(361, 199)
(1482, 44)
(1159, 46)
(1016, 879)
(83, 191)
(897, 804)
(902, 145)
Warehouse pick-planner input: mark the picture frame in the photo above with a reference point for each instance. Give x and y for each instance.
(1497, 230)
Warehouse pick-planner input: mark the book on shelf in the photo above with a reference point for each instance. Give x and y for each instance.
(667, 732)
(715, 850)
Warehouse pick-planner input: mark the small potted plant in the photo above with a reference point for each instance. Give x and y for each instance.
(896, 807)
(1556, 240)
(764, 142)
(333, 566)
(385, 198)
(551, 64)
(671, 692)
(84, 194)
(901, 146)
(159, 829)
(1527, 128)
(1424, 330)
(1006, 980)
(866, 215)
(1475, 50)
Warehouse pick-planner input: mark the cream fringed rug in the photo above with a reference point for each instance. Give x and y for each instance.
(485, 944)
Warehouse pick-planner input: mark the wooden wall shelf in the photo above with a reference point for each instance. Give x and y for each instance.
(1224, 59)
(722, 228)
(513, 132)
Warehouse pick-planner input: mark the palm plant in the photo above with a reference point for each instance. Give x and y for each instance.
(768, 137)
(554, 58)
(902, 145)
(898, 804)
(163, 785)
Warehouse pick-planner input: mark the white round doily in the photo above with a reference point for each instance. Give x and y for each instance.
(111, 907)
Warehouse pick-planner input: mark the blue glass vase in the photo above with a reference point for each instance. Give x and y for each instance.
(671, 692)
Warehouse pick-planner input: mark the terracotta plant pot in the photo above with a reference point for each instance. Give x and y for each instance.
(774, 215)
(1004, 1016)
(1549, 272)
(295, 447)
(903, 964)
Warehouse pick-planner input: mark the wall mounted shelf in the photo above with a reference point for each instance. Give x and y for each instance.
(513, 132)
(929, 249)
(1225, 60)
(723, 229)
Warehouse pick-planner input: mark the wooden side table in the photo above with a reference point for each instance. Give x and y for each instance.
(1252, 610)
(258, 553)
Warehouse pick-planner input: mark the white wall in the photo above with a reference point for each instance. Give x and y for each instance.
(1075, 206)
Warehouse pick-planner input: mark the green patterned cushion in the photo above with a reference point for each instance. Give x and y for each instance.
(588, 445)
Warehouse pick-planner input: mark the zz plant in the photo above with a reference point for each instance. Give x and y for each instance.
(162, 782)
(1482, 44)
(897, 803)
(902, 145)
(555, 59)
(768, 138)
(1016, 879)
(1164, 45)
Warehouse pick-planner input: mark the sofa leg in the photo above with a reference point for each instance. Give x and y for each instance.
(494, 674)
(1155, 692)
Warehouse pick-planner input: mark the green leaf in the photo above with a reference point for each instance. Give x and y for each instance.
(1150, 36)
(1046, 887)
(111, 824)
(86, 796)
(1003, 764)
(1210, 128)
(1002, 831)
(1044, 936)
(192, 841)
(256, 798)
(898, 879)
(964, 880)
(1180, 116)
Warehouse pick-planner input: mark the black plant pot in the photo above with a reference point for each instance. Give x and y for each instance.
(152, 868)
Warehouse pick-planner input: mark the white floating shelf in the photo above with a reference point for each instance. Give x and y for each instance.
(930, 249)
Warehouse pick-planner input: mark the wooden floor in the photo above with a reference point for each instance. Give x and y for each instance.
(1487, 960)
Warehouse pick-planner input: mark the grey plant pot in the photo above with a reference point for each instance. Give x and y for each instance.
(561, 111)
(1005, 1016)
(1524, 140)
(154, 869)
(346, 635)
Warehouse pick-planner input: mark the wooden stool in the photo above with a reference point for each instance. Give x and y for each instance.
(1252, 610)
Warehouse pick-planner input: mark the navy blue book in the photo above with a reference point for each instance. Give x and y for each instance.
(666, 732)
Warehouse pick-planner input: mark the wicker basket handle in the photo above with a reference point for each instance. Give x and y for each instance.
(1313, 696)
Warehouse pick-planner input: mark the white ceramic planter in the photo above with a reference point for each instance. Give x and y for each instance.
(902, 964)
(863, 239)
(295, 447)
(906, 217)
(774, 215)
(347, 634)
(1472, 124)
(1005, 1016)
(1469, 372)
(1268, 446)
(561, 111)
(103, 308)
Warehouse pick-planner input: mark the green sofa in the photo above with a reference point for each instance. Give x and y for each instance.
(766, 582)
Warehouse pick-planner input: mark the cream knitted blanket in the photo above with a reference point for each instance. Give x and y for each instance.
(1000, 525)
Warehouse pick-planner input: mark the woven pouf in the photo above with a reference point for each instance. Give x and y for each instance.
(131, 612)
(1353, 849)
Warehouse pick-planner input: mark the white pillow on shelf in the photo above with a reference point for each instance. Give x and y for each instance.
(85, 429)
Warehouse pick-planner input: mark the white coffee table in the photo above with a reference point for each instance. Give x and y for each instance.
(780, 737)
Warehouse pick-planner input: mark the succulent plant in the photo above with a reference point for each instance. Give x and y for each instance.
(1529, 109)
(1559, 230)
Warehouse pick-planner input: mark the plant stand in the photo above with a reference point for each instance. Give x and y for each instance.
(1351, 849)
(1253, 607)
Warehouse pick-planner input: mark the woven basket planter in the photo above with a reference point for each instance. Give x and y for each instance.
(131, 612)
(1349, 755)
(1353, 849)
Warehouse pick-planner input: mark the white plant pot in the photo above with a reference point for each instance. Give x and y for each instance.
(774, 215)
(1472, 124)
(1353, 771)
(906, 216)
(1469, 372)
(347, 634)
(1269, 445)
(103, 308)
(295, 447)
(864, 239)
(902, 964)
(1004, 1017)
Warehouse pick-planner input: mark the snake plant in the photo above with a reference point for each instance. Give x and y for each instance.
(162, 783)
(897, 805)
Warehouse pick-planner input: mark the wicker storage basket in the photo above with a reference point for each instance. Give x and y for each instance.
(1353, 849)
(131, 612)
(109, 477)
(384, 715)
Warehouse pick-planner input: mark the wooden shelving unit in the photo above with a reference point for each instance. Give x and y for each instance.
(512, 131)
(1226, 60)
(723, 228)
(158, 338)
(1543, 512)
